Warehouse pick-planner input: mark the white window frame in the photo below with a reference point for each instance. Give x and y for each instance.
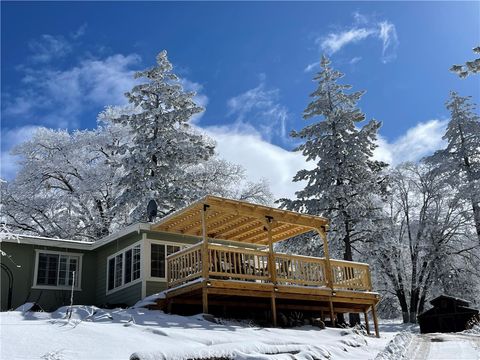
(133, 282)
(76, 287)
(148, 257)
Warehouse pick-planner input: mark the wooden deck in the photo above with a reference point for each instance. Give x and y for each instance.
(247, 275)
(240, 278)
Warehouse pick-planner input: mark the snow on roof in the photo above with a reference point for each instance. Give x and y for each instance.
(78, 244)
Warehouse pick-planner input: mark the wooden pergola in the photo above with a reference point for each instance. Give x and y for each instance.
(252, 226)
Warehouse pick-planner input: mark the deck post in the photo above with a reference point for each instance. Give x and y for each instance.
(328, 267)
(332, 314)
(367, 326)
(375, 321)
(272, 269)
(205, 260)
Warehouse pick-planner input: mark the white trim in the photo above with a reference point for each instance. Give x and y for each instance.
(50, 287)
(138, 227)
(148, 263)
(122, 252)
(143, 272)
(77, 287)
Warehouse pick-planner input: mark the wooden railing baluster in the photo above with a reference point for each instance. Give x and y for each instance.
(251, 265)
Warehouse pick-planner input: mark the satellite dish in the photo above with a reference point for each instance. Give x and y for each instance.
(152, 210)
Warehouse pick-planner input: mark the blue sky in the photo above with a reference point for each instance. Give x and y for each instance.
(251, 64)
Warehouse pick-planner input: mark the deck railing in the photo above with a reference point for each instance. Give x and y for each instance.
(350, 275)
(235, 263)
(300, 270)
(184, 265)
(238, 263)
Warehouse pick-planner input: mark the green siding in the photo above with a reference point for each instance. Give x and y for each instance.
(128, 295)
(177, 238)
(154, 287)
(102, 254)
(94, 273)
(23, 278)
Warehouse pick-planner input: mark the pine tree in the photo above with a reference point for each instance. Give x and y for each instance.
(460, 160)
(344, 186)
(341, 185)
(163, 143)
(470, 67)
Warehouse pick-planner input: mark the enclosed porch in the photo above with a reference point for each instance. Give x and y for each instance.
(234, 264)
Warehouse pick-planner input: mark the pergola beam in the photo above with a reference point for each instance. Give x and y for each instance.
(238, 221)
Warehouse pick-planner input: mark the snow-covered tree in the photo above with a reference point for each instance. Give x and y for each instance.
(87, 184)
(459, 162)
(6, 234)
(163, 145)
(219, 177)
(427, 249)
(470, 67)
(344, 185)
(65, 185)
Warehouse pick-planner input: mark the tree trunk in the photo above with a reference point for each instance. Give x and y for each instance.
(476, 217)
(403, 305)
(414, 297)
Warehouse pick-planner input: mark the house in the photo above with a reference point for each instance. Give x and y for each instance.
(448, 314)
(215, 254)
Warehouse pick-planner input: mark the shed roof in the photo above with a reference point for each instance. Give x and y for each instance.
(239, 221)
(455, 300)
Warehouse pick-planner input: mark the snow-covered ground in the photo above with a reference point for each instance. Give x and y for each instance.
(94, 333)
(458, 346)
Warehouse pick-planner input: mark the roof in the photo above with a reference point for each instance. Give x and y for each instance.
(226, 219)
(436, 311)
(77, 244)
(457, 301)
(240, 221)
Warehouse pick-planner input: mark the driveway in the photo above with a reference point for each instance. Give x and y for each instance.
(454, 346)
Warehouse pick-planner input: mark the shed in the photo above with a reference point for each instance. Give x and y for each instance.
(448, 314)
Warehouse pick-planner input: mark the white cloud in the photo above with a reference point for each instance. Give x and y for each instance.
(333, 42)
(260, 106)
(80, 31)
(355, 60)
(65, 94)
(9, 139)
(360, 18)
(360, 30)
(311, 66)
(419, 141)
(388, 35)
(242, 144)
(49, 47)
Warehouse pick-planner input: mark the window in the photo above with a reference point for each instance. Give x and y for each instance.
(123, 268)
(158, 253)
(55, 269)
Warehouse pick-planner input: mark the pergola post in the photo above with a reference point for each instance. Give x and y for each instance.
(272, 269)
(328, 268)
(205, 260)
